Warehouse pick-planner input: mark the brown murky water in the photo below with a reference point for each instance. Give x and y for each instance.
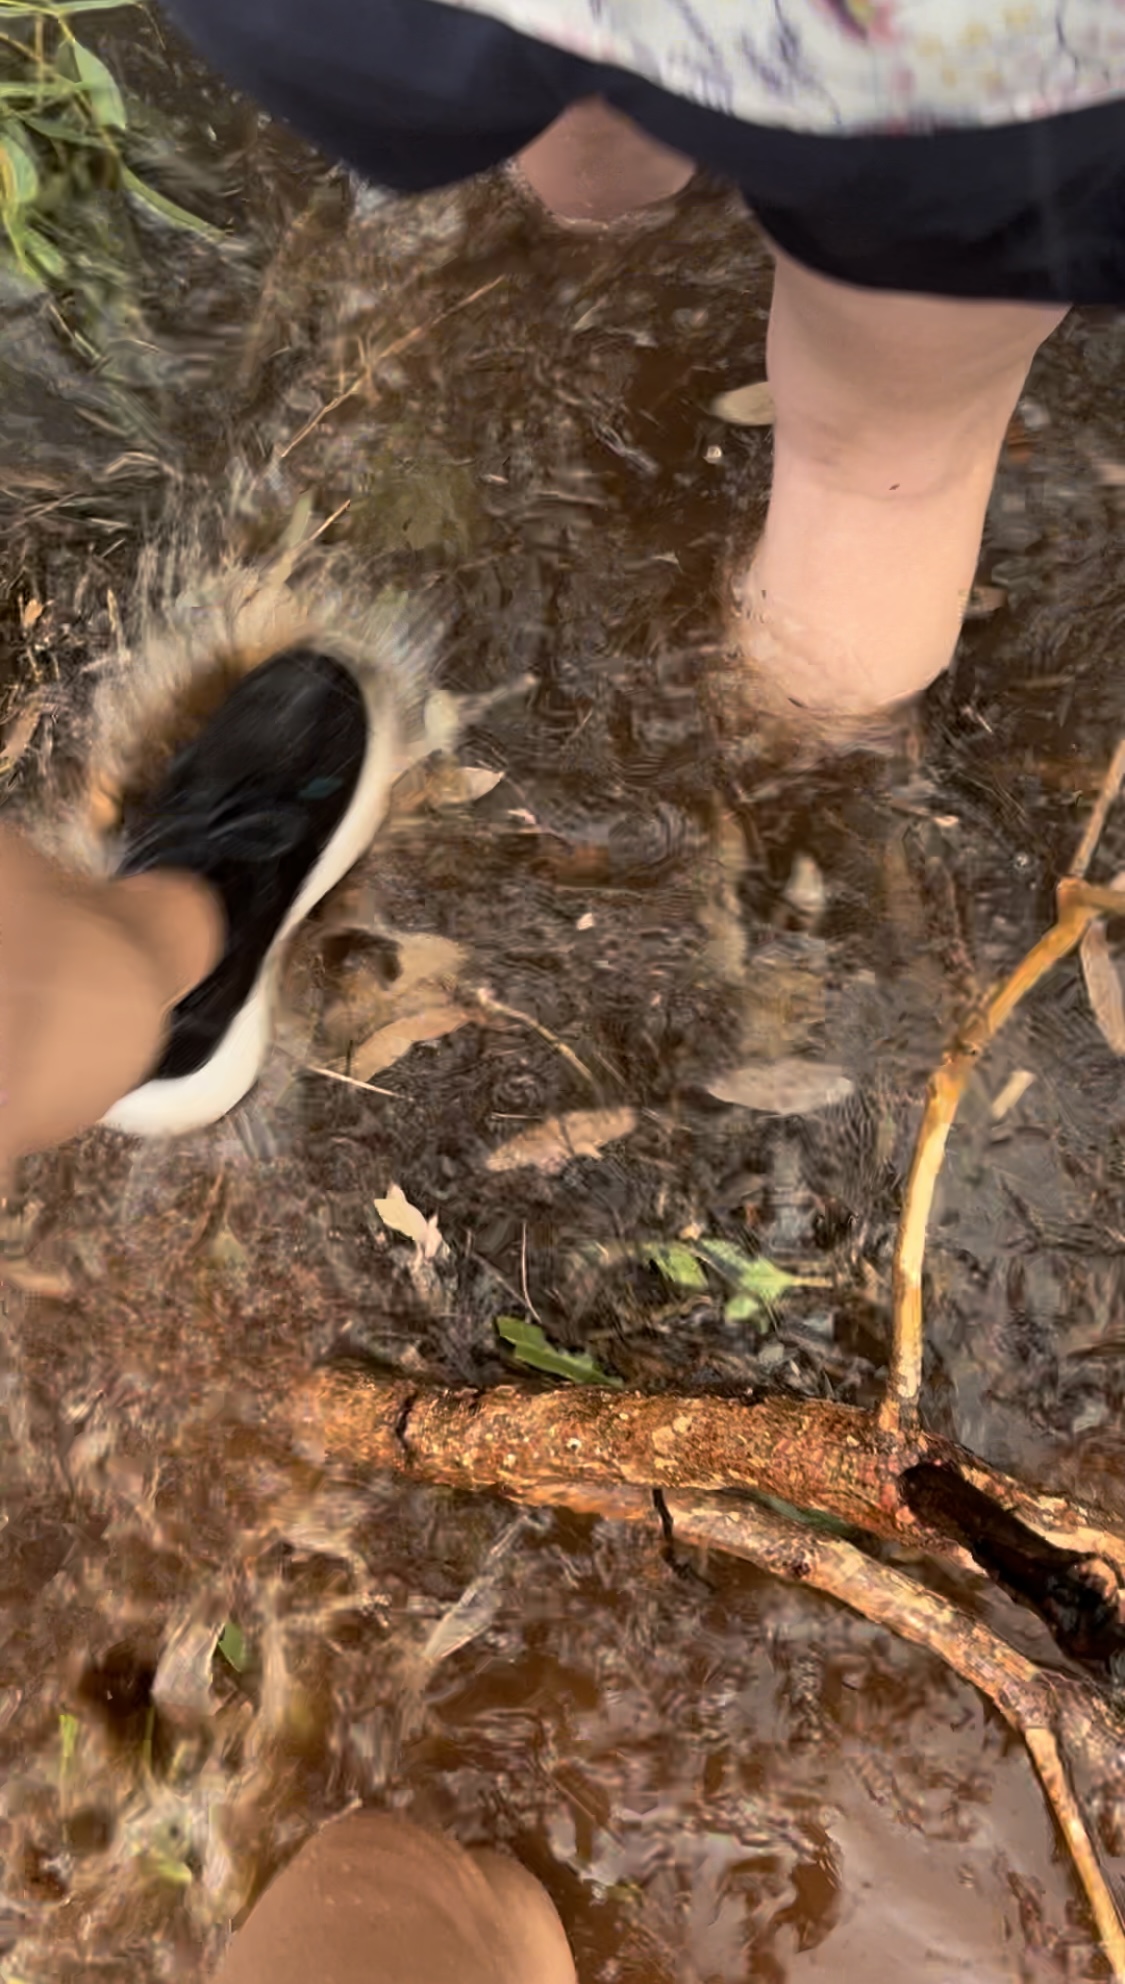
(719, 1778)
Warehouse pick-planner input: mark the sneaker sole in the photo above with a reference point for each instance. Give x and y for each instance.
(193, 1102)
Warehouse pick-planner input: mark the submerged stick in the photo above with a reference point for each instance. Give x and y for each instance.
(1079, 904)
(1027, 1697)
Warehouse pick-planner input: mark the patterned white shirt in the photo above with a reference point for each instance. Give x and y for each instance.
(835, 66)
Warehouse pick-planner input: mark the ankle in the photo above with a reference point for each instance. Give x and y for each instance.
(594, 166)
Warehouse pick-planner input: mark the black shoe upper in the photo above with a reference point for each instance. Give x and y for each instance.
(250, 805)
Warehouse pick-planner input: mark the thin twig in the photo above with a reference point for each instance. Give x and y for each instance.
(349, 1081)
(389, 351)
(1079, 903)
(484, 998)
(1044, 1748)
(1110, 787)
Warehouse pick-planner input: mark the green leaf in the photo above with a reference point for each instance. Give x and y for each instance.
(21, 10)
(175, 1871)
(37, 92)
(176, 216)
(105, 98)
(43, 254)
(68, 1737)
(745, 1309)
(233, 1646)
(678, 1264)
(62, 131)
(19, 174)
(759, 1278)
(725, 1256)
(529, 1346)
(812, 1518)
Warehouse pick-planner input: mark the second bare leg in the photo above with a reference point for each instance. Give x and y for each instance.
(890, 414)
(595, 164)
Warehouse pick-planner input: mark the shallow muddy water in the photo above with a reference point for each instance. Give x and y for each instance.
(720, 1778)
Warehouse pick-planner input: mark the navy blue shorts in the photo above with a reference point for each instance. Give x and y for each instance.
(413, 94)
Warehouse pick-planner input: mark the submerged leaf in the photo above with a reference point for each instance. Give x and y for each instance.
(787, 1087)
(389, 1043)
(754, 1277)
(549, 1147)
(529, 1346)
(397, 1212)
(232, 1644)
(745, 1309)
(68, 1738)
(746, 406)
(1103, 985)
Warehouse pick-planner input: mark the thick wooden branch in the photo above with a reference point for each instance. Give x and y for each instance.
(832, 1460)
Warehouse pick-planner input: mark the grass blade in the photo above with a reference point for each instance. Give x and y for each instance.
(105, 99)
(168, 210)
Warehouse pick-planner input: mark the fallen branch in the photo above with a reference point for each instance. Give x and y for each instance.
(831, 1460)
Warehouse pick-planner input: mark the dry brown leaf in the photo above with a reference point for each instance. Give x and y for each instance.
(438, 782)
(805, 890)
(31, 612)
(983, 600)
(1103, 984)
(389, 1043)
(746, 406)
(787, 1087)
(397, 1212)
(19, 734)
(422, 956)
(428, 968)
(54, 1285)
(468, 783)
(549, 1147)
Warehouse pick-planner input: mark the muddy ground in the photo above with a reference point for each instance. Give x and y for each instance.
(718, 1777)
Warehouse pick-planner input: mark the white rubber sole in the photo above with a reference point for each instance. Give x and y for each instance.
(191, 1102)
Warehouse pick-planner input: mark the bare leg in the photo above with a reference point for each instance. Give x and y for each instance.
(890, 413)
(88, 971)
(376, 1900)
(595, 164)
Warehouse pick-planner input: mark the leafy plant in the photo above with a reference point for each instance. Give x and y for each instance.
(754, 1285)
(66, 134)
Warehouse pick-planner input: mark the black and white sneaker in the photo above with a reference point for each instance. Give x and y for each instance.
(271, 804)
